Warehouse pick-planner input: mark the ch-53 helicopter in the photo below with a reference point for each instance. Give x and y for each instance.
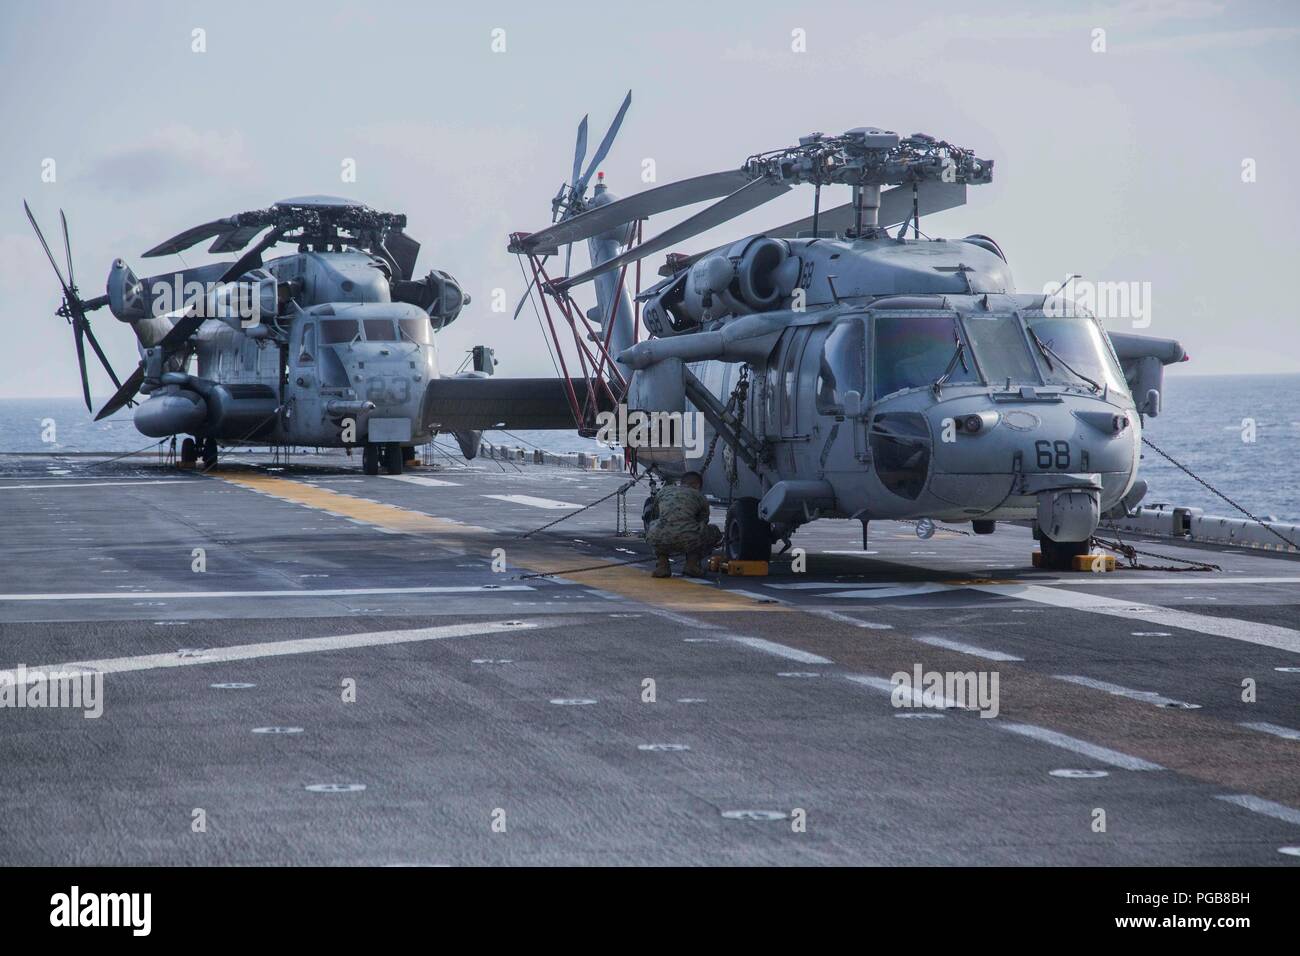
(331, 346)
(854, 373)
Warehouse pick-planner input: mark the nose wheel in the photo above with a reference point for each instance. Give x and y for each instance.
(388, 454)
(1060, 555)
(748, 537)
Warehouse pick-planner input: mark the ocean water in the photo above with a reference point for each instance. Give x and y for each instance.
(1204, 424)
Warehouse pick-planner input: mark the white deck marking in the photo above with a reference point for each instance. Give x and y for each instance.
(1277, 730)
(300, 592)
(1251, 632)
(814, 586)
(532, 502)
(780, 650)
(307, 645)
(970, 649)
(892, 591)
(101, 484)
(420, 480)
(916, 693)
(1145, 696)
(1101, 754)
(1259, 805)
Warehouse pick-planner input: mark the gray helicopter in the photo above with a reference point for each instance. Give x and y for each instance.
(331, 346)
(853, 373)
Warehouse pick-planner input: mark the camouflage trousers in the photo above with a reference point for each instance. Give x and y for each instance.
(698, 538)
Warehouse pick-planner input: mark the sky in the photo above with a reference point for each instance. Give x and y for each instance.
(1122, 164)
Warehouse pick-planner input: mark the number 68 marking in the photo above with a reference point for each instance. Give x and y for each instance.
(1053, 454)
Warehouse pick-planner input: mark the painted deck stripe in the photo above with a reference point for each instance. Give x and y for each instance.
(300, 592)
(547, 503)
(1277, 730)
(307, 645)
(1145, 696)
(1250, 632)
(969, 649)
(916, 693)
(101, 484)
(780, 650)
(420, 480)
(1101, 754)
(1259, 805)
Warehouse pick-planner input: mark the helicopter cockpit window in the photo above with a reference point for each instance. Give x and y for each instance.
(335, 331)
(379, 330)
(915, 351)
(417, 330)
(332, 372)
(1075, 348)
(843, 365)
(1001, 349)
(307, 351)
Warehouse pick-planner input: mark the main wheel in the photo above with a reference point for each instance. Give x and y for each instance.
(209, 452)
(189, 451)
(393, 458)
(748, 537)
(370, 460)
(1060, 555)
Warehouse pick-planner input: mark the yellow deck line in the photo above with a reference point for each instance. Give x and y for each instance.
(532, 555)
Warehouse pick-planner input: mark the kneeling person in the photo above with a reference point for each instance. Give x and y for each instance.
(681, 526)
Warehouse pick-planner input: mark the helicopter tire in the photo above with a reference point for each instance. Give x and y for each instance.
(209, 452)
(370, 460)
(189, 451)
(408, 454)
(1060, 555)
(392, 452)
(748, 537)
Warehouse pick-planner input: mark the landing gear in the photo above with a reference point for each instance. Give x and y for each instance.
(393, 458)
(983, 527)
(189, 452)
(370, 460)
(748, 537)
(1060, 555)
(408, 456)
(209, 452)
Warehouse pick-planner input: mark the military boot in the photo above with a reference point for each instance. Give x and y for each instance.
(693, 568)
(663, 569)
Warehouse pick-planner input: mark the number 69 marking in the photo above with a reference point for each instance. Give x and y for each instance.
(1053, 454)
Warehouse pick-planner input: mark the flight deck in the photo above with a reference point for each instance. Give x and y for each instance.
(339, 669)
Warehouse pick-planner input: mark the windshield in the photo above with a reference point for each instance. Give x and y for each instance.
(915, 351)
(843, 365)
(1001, 350)
(1076, 347)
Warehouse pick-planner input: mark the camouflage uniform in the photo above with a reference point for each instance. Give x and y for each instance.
(681, 524)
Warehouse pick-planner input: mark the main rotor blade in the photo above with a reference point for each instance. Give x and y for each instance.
(124, 394)
(77, 336)
(67, 249)
(659, 199)
(46, 246)
(750, 196)
(235, 239)
(405, 251)
(895, 207)
(603, 150)
(190, 237)
(579, 153)
(94, 344)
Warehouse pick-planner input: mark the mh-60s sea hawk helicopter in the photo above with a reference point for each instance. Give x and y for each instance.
(854, 373)
(331, 346)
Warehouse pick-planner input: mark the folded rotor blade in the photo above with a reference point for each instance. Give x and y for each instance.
(124, 394)
(46, 246)
(747, 197)
(79, 338)
(405, 251)
(642, 205)
(579, 153)
(94, 344)
(580, 186)
(67, 249)
(235, 239)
